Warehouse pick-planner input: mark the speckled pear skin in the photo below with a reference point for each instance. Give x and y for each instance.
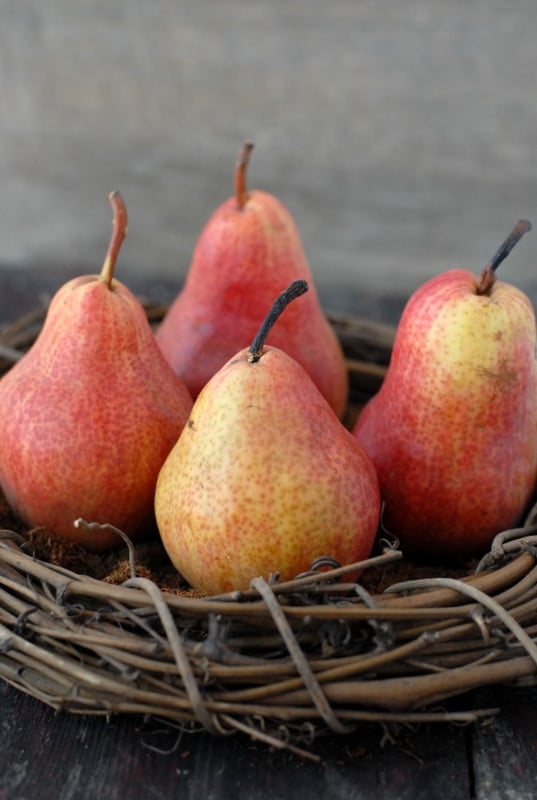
(264, 479)
(88, 416)
(243, 258)
(453, 429)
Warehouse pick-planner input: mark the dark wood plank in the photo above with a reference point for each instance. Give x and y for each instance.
(504, 752)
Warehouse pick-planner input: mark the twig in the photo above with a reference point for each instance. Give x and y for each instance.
(479, 597)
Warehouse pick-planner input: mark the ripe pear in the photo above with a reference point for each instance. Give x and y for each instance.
(247, 253)
(89, 414)
(264, 477)
(453, 428)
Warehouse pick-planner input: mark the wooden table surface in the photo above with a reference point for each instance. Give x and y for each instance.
(47, 755)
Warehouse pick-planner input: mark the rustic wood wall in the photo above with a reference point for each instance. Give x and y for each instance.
(402, 136)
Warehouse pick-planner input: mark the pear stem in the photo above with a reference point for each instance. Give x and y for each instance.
(119, 231)
(488, 275)
(241, 192)
(294, 290)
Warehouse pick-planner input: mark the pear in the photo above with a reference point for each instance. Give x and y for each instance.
(247, 253)
(453, 429)
(89, 414)
(264, 477)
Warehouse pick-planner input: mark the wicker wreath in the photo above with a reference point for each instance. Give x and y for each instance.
(282, 662)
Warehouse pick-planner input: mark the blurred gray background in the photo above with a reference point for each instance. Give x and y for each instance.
(402, 136)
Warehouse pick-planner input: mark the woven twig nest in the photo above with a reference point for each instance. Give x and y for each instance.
(282, 662)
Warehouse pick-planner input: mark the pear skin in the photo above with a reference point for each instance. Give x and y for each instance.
(89, 414)
(264, 479)
(248, 252)
(453, 429)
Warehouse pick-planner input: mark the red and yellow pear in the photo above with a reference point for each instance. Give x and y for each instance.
(264, 478)
(453, 429)
(248, 252)
(90, 412)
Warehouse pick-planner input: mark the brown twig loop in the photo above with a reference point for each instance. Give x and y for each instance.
(480, 597)
(106, 527)
(300, 661)
(178, 650)
(508, 542)
(273, 741)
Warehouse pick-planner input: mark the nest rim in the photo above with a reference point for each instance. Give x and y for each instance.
(281, 662)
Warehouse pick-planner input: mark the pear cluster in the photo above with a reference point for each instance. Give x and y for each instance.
(238, 457)
(222, 430)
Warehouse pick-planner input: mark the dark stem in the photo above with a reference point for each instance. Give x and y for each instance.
(119, 231)
(293, 291)
(240, 174)
(488, 275)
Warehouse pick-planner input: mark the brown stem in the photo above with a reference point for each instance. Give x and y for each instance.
(488, 275)
(119, 231)
(240, 174)
(295, 289)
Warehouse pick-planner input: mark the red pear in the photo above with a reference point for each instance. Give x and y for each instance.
(248, 252)
(89, 414)
(264, 478)
(453, 429)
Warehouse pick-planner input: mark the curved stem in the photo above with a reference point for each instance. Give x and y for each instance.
(294, 290)
(241, 192)
(119, 231)
(488, 275)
